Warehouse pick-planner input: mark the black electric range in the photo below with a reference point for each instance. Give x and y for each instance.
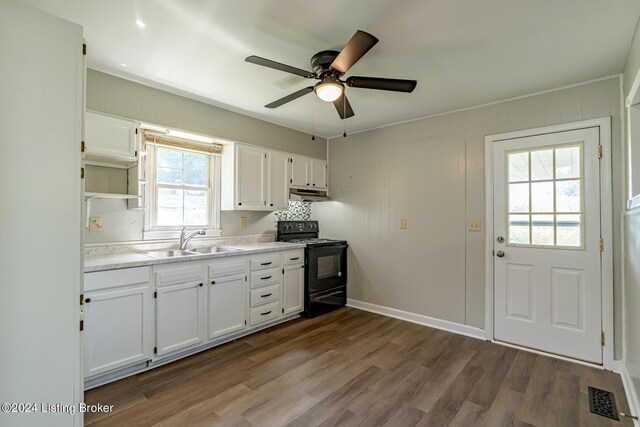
(325, 264)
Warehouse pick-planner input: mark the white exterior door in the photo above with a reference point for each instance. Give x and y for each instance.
(547, 263)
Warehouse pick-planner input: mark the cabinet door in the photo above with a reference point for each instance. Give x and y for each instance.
(300, 171)
(227, 305)
(179, 317)
(116, 329)
(319, 174)
(278, 181)
(110, 137)
(251, 175)
(293, 288)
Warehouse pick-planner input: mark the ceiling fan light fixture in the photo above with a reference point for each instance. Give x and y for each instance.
(329, 90)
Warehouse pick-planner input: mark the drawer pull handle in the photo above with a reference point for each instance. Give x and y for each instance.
(266, 263)
(201, 284)
(266, 278)
(293, 259)
(264, 314)
(265, 296)
(213, 282)
(88, 300)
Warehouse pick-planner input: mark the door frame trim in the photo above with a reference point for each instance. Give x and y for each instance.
(606, 223)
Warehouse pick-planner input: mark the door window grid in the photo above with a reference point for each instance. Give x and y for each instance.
(556, 219)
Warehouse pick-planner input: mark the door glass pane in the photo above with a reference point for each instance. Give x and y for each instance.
(518, 166)
(542, 230)
(568, 162)
(542, 197)
(518, 197)
(519, 229)
(541, 165)
(569, 230)
(568, 196)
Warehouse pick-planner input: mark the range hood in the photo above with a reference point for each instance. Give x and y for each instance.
(307, 195)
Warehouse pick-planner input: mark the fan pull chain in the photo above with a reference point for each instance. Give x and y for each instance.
(313, 109)
(344, 114)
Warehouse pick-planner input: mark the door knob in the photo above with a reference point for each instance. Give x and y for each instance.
(500, 254)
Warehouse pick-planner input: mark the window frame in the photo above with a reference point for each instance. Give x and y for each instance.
(153, 231)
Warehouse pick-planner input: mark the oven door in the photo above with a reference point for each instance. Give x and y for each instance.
(326, 267)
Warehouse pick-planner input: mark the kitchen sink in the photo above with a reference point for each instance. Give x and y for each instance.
(170, 254)
(214, 250)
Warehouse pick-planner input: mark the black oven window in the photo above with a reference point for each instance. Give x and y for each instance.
(328, 266)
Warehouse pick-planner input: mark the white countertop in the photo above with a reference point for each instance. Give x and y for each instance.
(139, 259)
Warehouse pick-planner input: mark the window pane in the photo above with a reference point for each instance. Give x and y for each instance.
(568, 196)
(195, 217)
(568, 162)
(569, 230)
(541, 165)
(195, 161)
(169, 216)
(518, 197)
(195, 199)
(542, 197)
(518, 167)
(542, 229)
(196, 178)
(168, 157)
(519, 229)
(170, 198)
(169, 176)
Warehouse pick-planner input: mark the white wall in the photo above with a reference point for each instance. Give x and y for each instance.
(113, 95)
(632, 253)
(40, 251)
(431, 172)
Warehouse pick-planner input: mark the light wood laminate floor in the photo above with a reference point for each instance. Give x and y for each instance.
(352, 367)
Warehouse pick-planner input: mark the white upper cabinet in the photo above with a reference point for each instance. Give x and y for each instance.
(254, 178)
(308, 173)
(318, 174)
(251, 177)
(110, 138)
(278, 197)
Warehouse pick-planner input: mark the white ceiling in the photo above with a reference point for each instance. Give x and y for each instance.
(462, 52)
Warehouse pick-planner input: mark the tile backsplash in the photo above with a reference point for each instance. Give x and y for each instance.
(297, 211)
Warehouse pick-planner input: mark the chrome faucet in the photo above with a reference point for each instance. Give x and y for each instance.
(184, 240)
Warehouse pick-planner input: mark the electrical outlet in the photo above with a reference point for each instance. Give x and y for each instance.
(403, 223)
(95, 224)
(243, 222)
(475, 226)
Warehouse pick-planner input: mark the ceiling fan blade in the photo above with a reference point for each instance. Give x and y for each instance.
(343, 107)
(291, 97)
(395, 85)
(278, 66)
(355, 49)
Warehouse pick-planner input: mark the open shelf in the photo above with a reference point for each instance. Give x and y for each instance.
(89, 196)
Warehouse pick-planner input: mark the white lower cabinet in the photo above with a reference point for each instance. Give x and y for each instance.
(227, 305)
(180, 298)
(293, 289)
(116, 319)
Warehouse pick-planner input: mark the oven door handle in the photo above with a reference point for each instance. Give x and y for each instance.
(330, 295)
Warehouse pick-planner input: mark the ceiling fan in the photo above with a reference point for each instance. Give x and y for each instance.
(328, 67)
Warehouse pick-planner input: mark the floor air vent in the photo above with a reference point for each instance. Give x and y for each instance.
(602, 402)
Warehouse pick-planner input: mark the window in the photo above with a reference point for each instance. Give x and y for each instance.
(181, 187)
(544, 197)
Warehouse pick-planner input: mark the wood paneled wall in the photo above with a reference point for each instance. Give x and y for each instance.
(431, 171)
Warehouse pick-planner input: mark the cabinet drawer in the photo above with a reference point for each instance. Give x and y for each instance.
(266, 277)
(264, 313)
(293, 257)
(227, 267)
(115, 278)
(172, 275)
(266, 261)
(265, 295)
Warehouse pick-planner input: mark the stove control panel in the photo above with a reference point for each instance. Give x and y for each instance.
(296, 227)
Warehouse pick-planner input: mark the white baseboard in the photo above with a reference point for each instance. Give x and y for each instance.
(629, 390)
(420, 319)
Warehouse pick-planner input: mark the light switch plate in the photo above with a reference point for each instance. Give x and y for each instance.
(95, 224)
(403, 223)
(475, 226)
